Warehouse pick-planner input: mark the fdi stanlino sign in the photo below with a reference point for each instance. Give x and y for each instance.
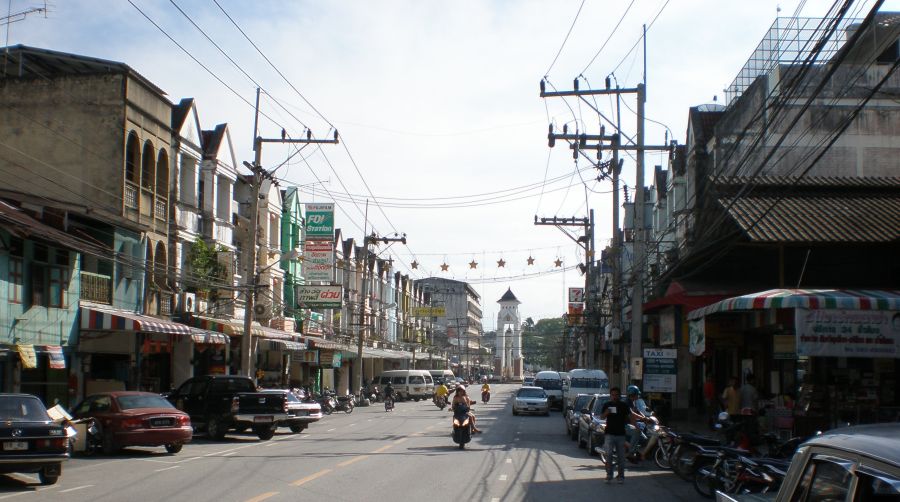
(319, 221)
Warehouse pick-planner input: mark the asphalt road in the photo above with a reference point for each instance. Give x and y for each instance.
(405, 455)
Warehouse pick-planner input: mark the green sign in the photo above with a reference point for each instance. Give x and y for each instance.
(319, 221)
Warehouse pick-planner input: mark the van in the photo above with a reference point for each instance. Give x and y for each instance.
(551, 382)
(408, 384)
(443, 376)
(582, 381)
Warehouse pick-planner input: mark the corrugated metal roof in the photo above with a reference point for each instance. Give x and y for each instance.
(807, 181)
(804, 218)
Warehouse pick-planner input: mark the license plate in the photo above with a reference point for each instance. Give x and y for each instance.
(15, 445)
(263, 419)
(302, 413)
(162, 422)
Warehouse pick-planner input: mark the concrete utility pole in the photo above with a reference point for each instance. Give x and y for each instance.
(587, 243)
(260, 175)
(367, 240)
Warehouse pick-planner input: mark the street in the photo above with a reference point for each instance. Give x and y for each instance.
(366, 455)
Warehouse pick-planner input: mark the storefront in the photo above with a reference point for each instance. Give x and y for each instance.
(821, 358)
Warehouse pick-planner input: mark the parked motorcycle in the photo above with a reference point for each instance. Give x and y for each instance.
(733, 472)
(345, 404)
(462, 426)
(485, 396)
(327, 401)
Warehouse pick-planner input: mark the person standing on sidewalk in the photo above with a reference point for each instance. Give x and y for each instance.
(709, 399)
(616, 412)
(731, 398)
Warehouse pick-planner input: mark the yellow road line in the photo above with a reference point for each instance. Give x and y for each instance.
(311, 477)
(383, 448)
(264, 496)
(400, 440)
(352, 460)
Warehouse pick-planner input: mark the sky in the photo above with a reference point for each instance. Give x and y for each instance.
(442, 129)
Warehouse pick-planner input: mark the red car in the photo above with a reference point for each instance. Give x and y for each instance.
(136, 419)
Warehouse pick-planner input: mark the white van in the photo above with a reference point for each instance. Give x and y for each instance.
(408, 384)
(582, 381)
(551, 382)
(443, 376)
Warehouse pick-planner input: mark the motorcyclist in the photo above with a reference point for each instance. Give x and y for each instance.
(389, 391)
(485, 387)
(641, 415)
(441, 392)
(461, 399)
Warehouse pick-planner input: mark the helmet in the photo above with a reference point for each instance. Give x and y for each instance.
(633, 390)
(724, 416)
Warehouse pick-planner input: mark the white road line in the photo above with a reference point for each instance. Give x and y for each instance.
(495, 499)
(164, 469)
(509, 461)
(329, 430)
(502, 477)
(351, 425)
(229, 453)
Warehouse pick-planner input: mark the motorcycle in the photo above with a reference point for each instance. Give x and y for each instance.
(462, 426)
(440, 402)
(327, 401)
(389, 403)
(735, 473)
(646, 439)
(485, 396)
(345, 404)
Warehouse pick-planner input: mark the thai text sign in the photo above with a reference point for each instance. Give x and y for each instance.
(319, 297)
(660, 370)
(430, 311)
(318, 261)
(848, 333)
(319, 221)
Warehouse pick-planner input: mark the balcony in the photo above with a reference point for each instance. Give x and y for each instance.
(187, 218)
(96, 288)
(165, 303)
(131, 197)
(160, 211)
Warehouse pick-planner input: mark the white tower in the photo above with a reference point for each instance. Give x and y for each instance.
(508, 360)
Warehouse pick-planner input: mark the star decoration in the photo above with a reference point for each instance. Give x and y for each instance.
(558, 262)
(530, 260)
(501, 263)
(444, 267)
(473, 264)
(414, 264)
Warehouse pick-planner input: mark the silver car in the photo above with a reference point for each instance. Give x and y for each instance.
(573, 415)
(531, 400)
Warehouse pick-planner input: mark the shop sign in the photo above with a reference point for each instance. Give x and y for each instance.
(848, 333)
(319, 297)
(660, 370)
(429, 311)
(319, 221)
(575, 316)
(659, 383)
(576, 295)
(784, 347)
(318, 261)
(29, 358)
(306, 356)
(667, 327)
(697, 334)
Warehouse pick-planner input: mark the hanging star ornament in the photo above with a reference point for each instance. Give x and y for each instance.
(473, 264)
(558, 262)
(530, 260)
(414, 264)
(501, 263)
(444, 267)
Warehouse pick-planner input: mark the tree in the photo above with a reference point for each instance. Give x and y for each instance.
(205, 266)
(542, 341)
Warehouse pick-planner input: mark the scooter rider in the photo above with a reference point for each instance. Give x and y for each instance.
(485, 387)
(639, 410)
(441, 392)
(389, 392)
(461, 399)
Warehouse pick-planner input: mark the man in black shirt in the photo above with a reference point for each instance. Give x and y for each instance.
(616, 412)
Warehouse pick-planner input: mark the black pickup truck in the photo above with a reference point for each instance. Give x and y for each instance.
(219, 403)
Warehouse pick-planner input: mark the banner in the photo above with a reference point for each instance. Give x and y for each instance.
(697, 333)
(848, 333)
(429, 311)
(57, 360)
(318, 261)
(319, 297)
(319, 221)
(667, 327)
(29, 358)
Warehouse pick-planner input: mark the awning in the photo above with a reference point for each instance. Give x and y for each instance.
(287, 345)
(321, 343)
(689, 296)
(208, 337)
(846, 299)
(96, 317)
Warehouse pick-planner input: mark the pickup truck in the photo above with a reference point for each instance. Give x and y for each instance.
(219, 403)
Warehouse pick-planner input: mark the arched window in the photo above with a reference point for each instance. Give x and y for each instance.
(132, 157)
(159, 262)
(148, 171)
(148, 264)
(162, 174)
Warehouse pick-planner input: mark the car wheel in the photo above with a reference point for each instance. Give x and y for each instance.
(297, 429)
(214, 428)
(48, 479)
(174, 448)
(515, 413)
(573, 434)
(265, 433)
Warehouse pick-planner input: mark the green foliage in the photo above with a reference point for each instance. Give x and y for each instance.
(543, 341)
(205, 267)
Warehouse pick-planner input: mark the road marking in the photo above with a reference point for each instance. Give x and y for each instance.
(229, 453)
(75, 489)
(270, 443)
(509, 461)
(311, 477)
(503, 477)
(165, 469)
(352, 460)
(383, 448)
(223, 452)
(417, 434)
(329, 430)
(400, 440)
(351, 425)
(264, 496)
(495, 499)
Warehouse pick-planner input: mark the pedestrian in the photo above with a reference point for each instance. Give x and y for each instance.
(749, 396)
(709, 399)
(616, 412)
(731, 399)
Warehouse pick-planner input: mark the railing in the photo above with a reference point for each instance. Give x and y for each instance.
(165, 303)
(131, 197)
(96, 288)
(160, 208)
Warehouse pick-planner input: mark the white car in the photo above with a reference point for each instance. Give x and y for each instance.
(300, 413)
(531, 400)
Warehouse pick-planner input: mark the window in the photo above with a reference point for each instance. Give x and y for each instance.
(59, 286)
(874, 486)
(825, 479)
(399, 380)
(39, 284)
(16, 280)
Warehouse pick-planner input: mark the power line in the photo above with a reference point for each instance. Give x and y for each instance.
(565, 39)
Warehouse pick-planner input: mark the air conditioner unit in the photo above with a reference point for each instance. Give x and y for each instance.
(187, 303)
(262, 311)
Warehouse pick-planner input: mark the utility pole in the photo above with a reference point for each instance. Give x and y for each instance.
(250, 282)
(367, 240)
(586, 242)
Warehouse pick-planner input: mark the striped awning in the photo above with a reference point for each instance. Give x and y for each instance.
(96, 317)
(208, 337)
(288, 345)
(235, 327)
(845, 299)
